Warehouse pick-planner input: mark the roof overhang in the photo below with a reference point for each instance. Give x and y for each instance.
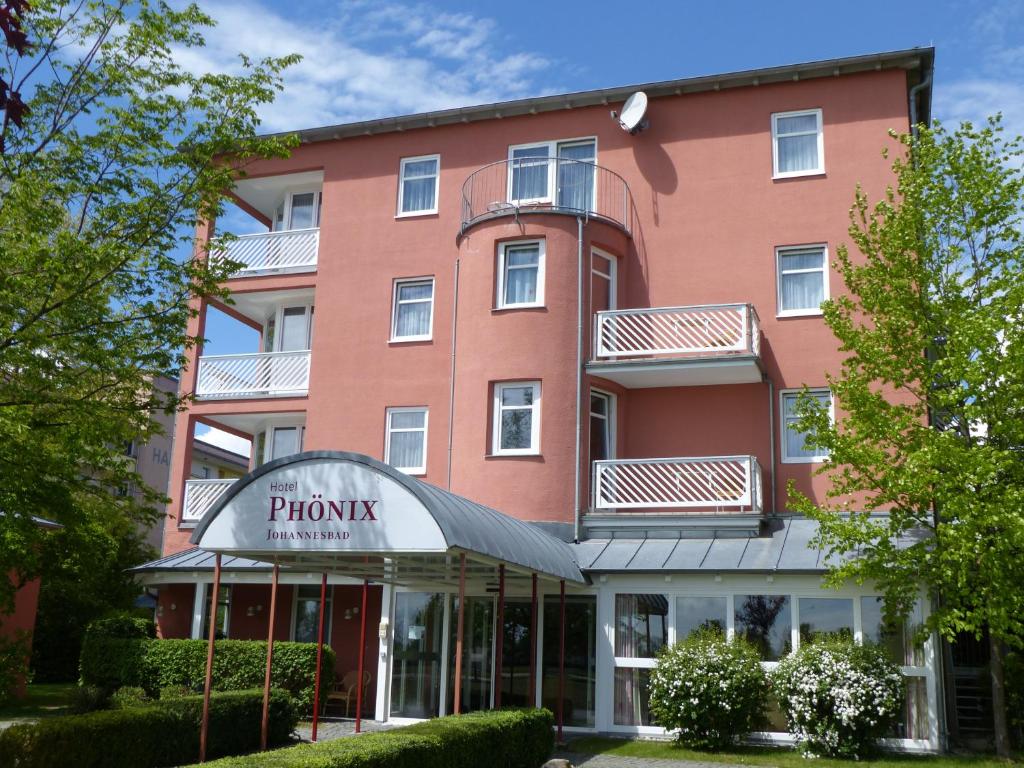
(917, 61)
(351, 515)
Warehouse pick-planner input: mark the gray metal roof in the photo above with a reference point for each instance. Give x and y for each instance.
(787, 548)
(196, 559)
(919, 60)
(464, 524)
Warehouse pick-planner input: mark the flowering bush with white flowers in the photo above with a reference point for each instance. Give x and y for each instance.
(839, 698)
(709, 691)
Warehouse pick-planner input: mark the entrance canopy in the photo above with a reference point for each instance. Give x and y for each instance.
(350, 514)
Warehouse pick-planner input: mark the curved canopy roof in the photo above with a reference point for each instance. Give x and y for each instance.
(337, 510)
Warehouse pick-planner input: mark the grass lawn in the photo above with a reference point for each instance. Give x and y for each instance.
(43, 700)
(778, 757)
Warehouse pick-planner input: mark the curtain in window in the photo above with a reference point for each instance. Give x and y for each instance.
(516, 418)
(576, 179)
(419, 185)
(414, 306)
(530, 173)
(803, 279)
(797, 152)
(405, 448)
(521, 270)
(303, 211)
(795, 440)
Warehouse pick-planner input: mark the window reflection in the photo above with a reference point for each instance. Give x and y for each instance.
(825, 617)
(765, 621)
(896, 638)
(580, 658)
(693, 613)
(641, 624)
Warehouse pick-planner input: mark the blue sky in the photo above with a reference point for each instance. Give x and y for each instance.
(364, 59)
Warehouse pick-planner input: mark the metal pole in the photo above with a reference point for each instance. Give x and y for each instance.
(458, 634)
(362, 655)
(561, 660)
(265, 724)
(533, 644)
(204, 729)
(499, 643)
(319, 654)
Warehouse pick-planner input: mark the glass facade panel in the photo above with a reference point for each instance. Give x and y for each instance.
(632, 698)
(641, 625)
(223, 609)
(416, 654)
(693, 613)
(515, 656)
(825, 616)
(915, 723)
(580, 658)
(307, 614)
(897, 639)
(477, 654)
(766, 622)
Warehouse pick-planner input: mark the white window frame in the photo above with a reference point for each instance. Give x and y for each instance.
(611, 399)
(534, 449)
(278, 317)
(552, 147)
(395, 304)
(286, 209)
(789, 249)
(328, 616)
(612, 277)
(401, 186)
(499, 302)
(268, 440)
(783, 428)
(776, 174)
(388, 429)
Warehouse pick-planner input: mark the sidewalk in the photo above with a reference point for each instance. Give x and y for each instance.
(618, 761)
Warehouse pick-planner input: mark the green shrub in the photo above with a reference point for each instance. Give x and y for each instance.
(503, 739)
(14, 655)
(111, 663)
(839, 698)
(711, 692)
(158, 734)
(129, 696)
(89, 698)
(122, 626)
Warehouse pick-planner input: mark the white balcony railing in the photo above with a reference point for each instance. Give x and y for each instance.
(288, 251)
(700, 331)
(714, 483)
(264, 374)
(200, 496)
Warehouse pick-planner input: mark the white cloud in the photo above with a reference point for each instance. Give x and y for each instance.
(370, 60)
(222, 439)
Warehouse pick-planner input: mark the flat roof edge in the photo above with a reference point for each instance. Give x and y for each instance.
(909, 58)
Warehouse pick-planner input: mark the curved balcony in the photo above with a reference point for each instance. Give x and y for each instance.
(546, 185)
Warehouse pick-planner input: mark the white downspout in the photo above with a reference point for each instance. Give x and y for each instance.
(579, 374)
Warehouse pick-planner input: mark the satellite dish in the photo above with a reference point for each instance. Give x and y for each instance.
(632, 118)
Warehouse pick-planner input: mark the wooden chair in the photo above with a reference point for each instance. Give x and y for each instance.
(347, 689)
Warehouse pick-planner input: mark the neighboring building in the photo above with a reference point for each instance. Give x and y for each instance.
(153, 460)
(211, 462)
(596, 331)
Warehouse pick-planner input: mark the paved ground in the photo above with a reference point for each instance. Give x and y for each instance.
(617, 761)
(337, 727)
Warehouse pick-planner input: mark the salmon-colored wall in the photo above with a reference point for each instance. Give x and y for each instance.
(176, 621)
(708, 219)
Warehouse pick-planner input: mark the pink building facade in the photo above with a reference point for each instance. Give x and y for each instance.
(595, 330)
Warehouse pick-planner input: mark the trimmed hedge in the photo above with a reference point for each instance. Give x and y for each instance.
(112, 663)
(162, 734)
(122, 626)
(503, 739)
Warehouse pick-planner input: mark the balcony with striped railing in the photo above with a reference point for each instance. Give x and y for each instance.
(268, 253)
(683, 492)
(677, 346)
(200, 497)
(263, 374)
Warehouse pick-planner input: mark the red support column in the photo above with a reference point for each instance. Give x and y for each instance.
(561, 661)
(458, 634)
(499, 644)
(533, 644)
(362, 655)
(204, 729)
(319, 654)
(265, 724)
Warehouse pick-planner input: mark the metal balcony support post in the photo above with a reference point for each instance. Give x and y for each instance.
(561, 659)
(533, 642)
(499, 641)
(204, 728)
(319, 654)
(265, 722)
(362, 660)
(458, 634)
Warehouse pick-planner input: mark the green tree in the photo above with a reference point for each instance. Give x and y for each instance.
(113, 159)
(930, 424)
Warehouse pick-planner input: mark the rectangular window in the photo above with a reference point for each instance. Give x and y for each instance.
(306, 623)
(641, 625)
(765, 621)
(521, 275)
(557, 172)
(632, 696)
(694, 613)
(413, 314)
(602, 426)
(419, 178)
(406, 447)
(797, 143)
(416, 651)
(298, 210)
(794, 448)
(579, 683)
(223, 612)
(897, 639)
(516, 418)
(803, 280)
(825, 616)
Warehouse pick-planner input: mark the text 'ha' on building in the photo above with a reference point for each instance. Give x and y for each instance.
(552, 355)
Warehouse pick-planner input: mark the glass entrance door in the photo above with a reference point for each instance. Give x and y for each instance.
(416, 654)
(515, 655)
(477, 654)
